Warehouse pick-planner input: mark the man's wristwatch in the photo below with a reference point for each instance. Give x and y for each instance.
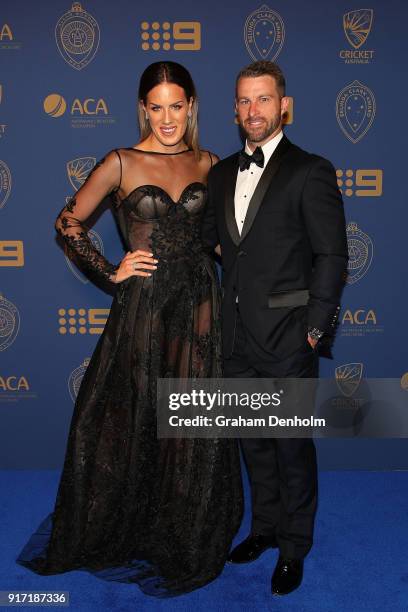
(315, 333)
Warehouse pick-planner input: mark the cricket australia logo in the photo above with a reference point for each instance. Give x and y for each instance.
(348, 378)
(357, 26)
(78, 170)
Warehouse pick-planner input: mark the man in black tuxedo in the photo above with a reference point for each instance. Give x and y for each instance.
(277, 214)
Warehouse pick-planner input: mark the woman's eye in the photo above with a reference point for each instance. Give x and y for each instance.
(155, 108)
(177, 106)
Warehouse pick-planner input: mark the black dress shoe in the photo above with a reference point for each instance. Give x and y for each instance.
(287, 576)
(251, 548)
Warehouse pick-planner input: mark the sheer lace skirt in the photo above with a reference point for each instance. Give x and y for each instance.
(161, 513)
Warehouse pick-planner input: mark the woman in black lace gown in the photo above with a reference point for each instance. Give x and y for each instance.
(130, 507)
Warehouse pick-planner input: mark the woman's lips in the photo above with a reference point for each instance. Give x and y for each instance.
(168, 131)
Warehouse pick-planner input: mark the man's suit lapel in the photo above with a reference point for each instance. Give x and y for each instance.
(230, 181)
(262, 186)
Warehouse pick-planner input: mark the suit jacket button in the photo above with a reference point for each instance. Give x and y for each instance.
(241, 253)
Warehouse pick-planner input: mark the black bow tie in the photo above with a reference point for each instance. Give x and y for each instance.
(246, 160)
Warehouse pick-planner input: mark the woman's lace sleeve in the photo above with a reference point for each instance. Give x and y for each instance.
(104, 178)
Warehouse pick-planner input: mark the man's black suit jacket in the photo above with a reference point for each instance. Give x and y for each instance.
(288, 266)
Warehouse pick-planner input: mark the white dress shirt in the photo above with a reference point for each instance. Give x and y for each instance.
(247, 180)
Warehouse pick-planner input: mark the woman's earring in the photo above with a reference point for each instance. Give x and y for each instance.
(189, 114)
(146, 117)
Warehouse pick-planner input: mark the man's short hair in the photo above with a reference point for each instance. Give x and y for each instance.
(261, 68)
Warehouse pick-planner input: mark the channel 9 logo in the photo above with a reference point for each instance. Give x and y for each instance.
(178, 36)
(82, 320)
(360, 183)
(11, 253)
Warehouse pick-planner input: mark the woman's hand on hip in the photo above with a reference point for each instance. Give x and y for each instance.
(135, 263)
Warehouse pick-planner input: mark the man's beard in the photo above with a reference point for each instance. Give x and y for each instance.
(262, 132)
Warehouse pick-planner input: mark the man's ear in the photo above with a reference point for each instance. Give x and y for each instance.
(284, 105)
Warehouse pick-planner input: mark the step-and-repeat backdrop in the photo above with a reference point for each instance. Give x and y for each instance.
(68, 83)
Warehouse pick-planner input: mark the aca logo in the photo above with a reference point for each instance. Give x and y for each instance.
(5, 183)
(14, 383)
(360, 251)
(357, 26)
(7, 40)
(348, 378)
(355, 110)
(89, 106)
(88, 112)
(82, 320)
(77, 36)
(264, 34)
(75, 379)
(9, 323)
(78, 170)
(11, 253)
(15, 387)
(55, 106)
(360, 322)
(178, 36)
(360, 183)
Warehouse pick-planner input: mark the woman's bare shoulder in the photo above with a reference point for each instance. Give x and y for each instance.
(210, 157)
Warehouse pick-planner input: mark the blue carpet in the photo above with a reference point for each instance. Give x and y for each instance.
(359, 561)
